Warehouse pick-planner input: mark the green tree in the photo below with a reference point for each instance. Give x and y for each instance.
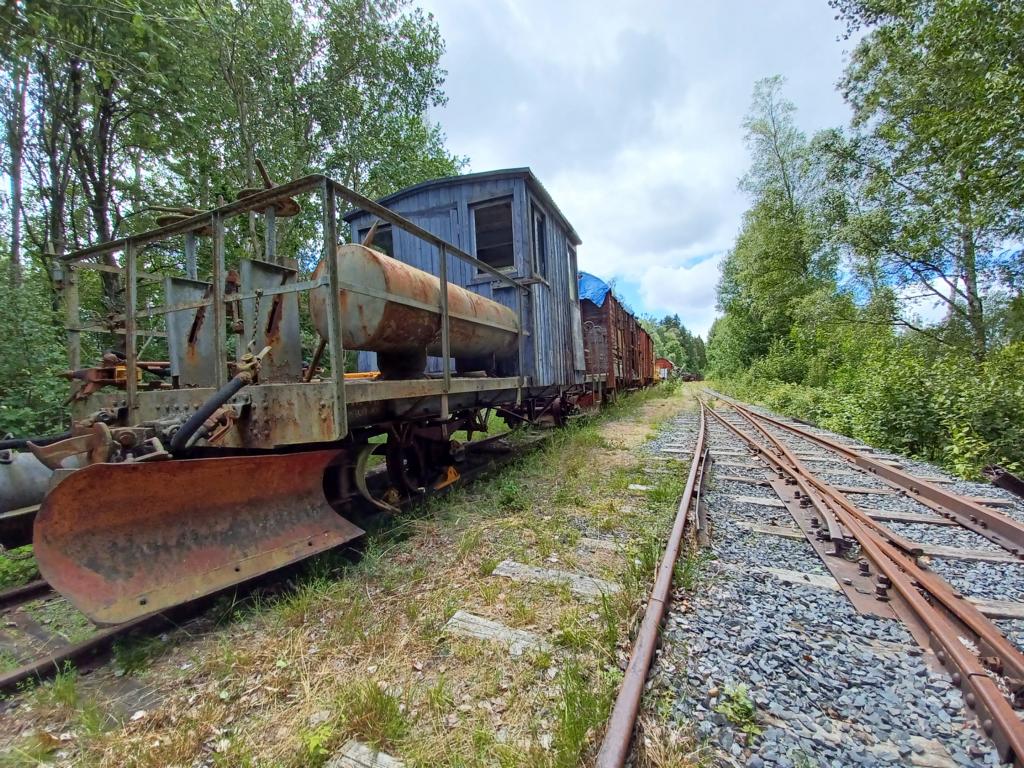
(937, 153)
(781, 253)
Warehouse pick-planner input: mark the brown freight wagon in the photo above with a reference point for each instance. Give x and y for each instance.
(614, 343)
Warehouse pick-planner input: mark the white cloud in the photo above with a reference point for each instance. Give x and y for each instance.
(688, 291)
(631, 117)
(919, 305)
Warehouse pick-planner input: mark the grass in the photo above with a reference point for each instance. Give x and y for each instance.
(17, 567)
(373, 715)
(664, 746)
(690, 570)
(583, 707)
(30, 751)
(133, 654)
(61, 693)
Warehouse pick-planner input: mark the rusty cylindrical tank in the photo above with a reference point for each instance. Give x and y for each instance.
(386, 307)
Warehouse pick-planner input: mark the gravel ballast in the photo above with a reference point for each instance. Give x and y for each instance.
(830, 687)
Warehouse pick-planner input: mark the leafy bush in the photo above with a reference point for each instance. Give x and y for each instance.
(982, 411)
(947, 409)
(32, 356)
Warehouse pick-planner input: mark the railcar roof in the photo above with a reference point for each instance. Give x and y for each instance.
(468, 178)
(593, 288)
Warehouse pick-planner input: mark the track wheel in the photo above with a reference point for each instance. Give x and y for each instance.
(407, 465)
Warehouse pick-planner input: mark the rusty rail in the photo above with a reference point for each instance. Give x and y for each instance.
(615, 746)
(995, 526)
(1003, 478)
(920, 589)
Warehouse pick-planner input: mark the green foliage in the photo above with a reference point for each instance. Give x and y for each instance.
(674, 342)
(944, 408)
(167, 102)
(739, 708)
(981, 411)
(31, 358)
(847, 230)
(17, 567)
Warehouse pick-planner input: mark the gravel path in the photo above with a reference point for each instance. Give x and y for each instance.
(830, 687)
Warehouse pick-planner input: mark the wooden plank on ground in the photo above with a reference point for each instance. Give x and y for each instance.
(974, 555)
(864, 489)
(466, 624)
(991, 501)
(760, 500)
(738, 479)
(598, 545)
(999, 609)
(355, 754)
(639, 487)
(743, 464)
(907, 517)
(821, 580)
(584, 586)
(773, 530)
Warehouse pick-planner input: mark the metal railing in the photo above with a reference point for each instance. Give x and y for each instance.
(214, 221)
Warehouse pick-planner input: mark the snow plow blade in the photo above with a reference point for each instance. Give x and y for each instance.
(125, 540)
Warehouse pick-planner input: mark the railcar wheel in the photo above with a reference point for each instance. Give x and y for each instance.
(406, 463)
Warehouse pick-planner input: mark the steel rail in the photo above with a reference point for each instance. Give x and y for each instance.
(14, 596)
(619, 733)
(963, 610)
(997, 717)
(993, 525)
(1003, 478)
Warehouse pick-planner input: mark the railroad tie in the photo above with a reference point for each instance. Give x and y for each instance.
(466, 624)
(355, 754)
(580, 585)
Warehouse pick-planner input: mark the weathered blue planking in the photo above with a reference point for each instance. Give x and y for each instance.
(444, 207)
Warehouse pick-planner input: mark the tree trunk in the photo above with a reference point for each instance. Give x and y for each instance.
(16, 141)
(975, 310)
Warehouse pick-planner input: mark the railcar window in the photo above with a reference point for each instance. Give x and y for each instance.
(492, 229)
(382, 240)
(540, 255)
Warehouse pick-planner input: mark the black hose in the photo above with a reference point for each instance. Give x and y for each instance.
(206, 410)
(19, 443)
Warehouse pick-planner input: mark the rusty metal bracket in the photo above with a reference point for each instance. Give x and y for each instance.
(96, 445)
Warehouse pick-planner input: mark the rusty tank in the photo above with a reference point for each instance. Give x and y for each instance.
(391, 308)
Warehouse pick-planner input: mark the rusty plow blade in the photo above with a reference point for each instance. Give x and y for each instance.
(124, 540)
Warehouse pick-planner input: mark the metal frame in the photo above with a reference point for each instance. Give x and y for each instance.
(264, 202)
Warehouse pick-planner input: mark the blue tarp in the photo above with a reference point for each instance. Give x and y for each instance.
(593, 288)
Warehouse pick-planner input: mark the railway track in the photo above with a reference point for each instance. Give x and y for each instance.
(889, 563)
(980, 659)
(41, 632)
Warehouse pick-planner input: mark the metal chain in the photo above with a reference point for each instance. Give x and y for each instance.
(255, 321)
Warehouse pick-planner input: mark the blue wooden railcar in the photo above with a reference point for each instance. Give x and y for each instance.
(507, 219)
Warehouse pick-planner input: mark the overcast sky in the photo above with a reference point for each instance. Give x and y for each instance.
(630, 113)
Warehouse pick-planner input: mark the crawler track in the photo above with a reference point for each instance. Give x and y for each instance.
(980, 659)
(42, 646)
